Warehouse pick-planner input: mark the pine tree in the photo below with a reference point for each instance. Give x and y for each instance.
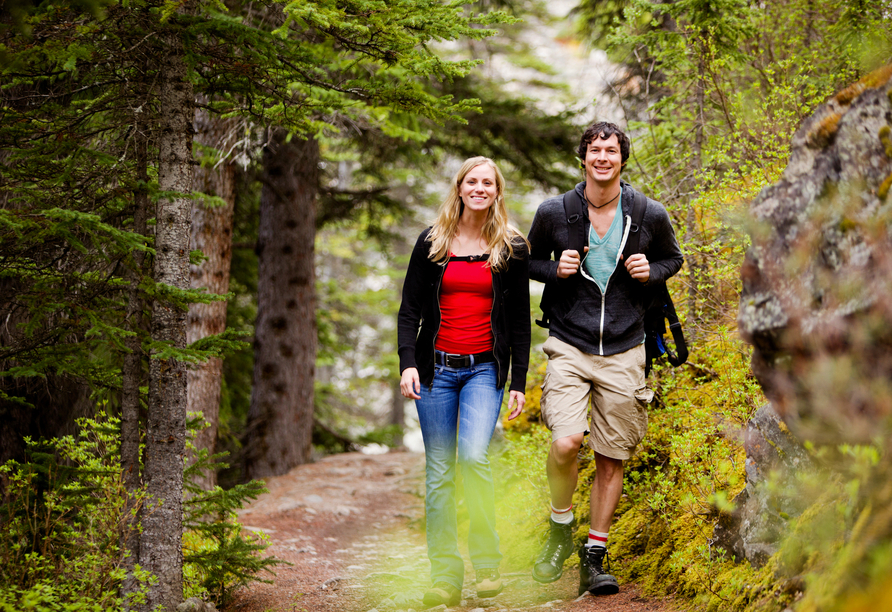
(95, 104)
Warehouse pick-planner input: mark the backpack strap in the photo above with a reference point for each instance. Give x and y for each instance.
(634, 239)
(574, 210)
(681, 347)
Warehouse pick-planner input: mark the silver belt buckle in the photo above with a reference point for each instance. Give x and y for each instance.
(458, 361)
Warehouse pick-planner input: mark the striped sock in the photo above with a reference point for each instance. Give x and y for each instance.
(562, 517)
(596, 538)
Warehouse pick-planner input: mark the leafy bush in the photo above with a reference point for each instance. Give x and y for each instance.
(63, 522)
(219, 556)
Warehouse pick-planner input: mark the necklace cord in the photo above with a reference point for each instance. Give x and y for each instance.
(602, 205)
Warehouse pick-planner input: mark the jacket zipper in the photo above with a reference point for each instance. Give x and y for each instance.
(492, 328)
(439, 322)
(622, 246)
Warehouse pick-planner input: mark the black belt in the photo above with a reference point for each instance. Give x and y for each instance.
(451, 360)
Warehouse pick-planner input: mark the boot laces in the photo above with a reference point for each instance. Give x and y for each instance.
(598, 558)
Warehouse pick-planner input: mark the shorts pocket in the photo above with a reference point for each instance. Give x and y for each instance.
(547, 348)
(543, 399)
(643, 397)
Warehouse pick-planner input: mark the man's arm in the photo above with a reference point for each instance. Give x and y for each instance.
(542, 267)
(665, 255)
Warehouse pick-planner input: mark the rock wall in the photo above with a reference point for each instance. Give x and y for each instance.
(774, 459)
(817, 282)
(816, 304)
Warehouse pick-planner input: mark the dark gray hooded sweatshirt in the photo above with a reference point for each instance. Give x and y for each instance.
(613, 321)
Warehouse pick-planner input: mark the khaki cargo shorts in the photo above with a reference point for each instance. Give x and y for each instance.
(615, 386)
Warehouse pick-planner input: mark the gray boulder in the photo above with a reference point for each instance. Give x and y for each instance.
(774, 461)
(816, 300)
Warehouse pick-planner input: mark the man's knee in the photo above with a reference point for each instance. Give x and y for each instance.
(608, 466)
(564, 450)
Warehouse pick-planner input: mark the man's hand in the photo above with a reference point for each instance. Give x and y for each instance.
(516, 399)
(568, 264)
(638, 267)
(410, 383)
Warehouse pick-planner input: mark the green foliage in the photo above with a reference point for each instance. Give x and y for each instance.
(64, 519)
(79, 155)
(219, 556)
(61, 524)
(518, 465)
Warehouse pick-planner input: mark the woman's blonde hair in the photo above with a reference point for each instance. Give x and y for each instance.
(501, 237)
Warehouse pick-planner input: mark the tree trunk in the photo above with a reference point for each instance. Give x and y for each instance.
(212, 235)
(280, 420)
(160, 545)
(132, 373)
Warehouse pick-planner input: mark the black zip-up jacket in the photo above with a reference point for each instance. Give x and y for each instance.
(596, 323)
(510, 318)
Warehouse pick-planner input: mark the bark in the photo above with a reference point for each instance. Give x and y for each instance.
(212, 235)
(280, 420)
(160, 546)
(132, 376)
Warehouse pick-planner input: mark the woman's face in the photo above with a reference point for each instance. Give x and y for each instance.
(478, 189)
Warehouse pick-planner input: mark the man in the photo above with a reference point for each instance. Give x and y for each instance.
(595, 346)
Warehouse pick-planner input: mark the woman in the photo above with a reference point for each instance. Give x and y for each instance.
(467, 288)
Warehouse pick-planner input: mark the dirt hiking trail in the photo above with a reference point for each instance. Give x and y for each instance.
(351, 525)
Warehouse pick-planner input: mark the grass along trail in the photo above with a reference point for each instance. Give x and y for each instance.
(351, 525)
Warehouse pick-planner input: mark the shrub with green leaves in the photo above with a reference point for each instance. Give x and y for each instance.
(63, 520)
(219, 555)
(62, 523)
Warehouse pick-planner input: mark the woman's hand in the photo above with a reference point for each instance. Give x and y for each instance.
(516, 399)
(410, 384)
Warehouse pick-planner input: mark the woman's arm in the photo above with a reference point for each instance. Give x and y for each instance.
(517, 306)
(414, 291)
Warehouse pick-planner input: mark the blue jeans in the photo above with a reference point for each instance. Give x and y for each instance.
(459, 413)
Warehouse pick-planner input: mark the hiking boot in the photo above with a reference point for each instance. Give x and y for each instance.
(549, 564)
(442, 593)
(592, 577)
(489, 583)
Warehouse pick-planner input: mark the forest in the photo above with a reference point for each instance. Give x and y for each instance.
(206, 214)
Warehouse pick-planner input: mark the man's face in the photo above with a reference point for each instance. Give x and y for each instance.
(603, 160)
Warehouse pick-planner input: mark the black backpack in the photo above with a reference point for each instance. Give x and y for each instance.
(660, 307)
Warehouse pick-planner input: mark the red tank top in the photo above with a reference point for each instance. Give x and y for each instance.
(465, 307)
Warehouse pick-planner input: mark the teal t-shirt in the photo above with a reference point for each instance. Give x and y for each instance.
(600, 261)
